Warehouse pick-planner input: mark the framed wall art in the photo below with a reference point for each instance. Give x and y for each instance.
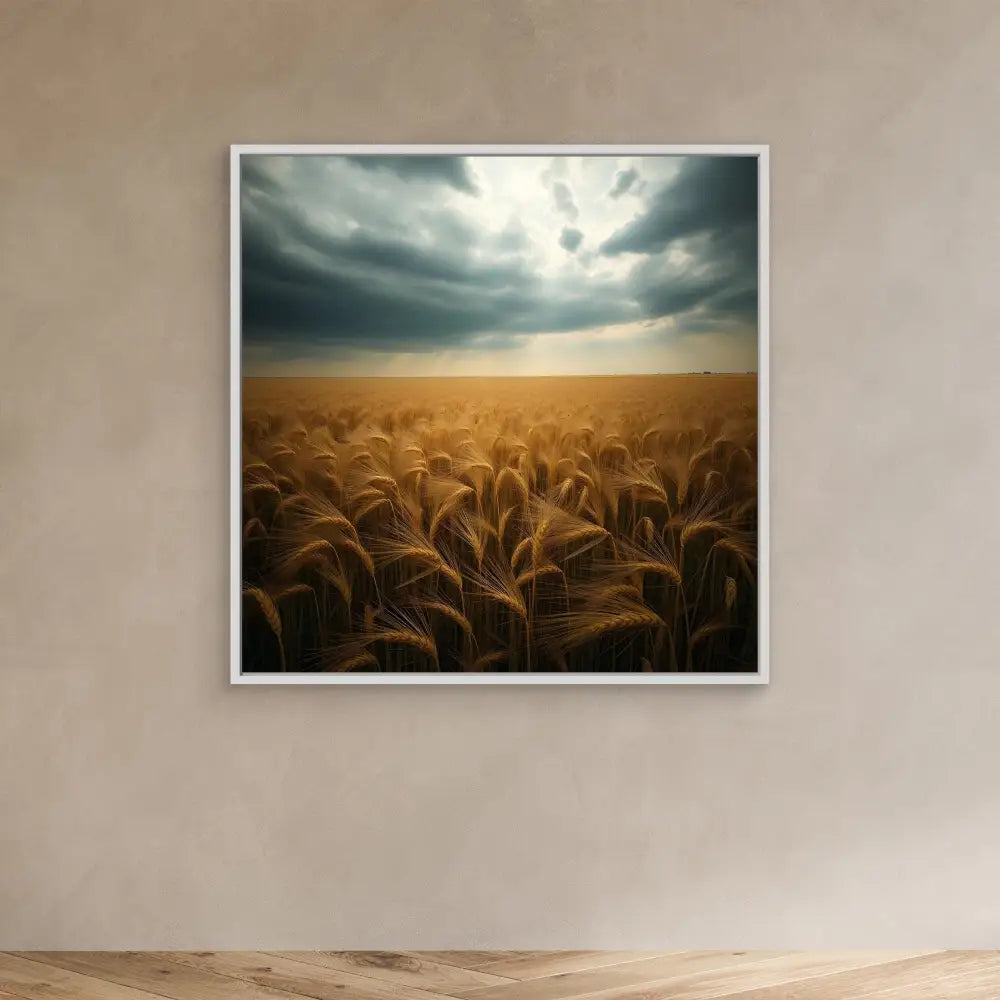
(499, 414)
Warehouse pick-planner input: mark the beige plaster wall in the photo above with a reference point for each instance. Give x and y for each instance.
(143, 802)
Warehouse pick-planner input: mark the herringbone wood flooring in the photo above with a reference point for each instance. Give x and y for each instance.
(500, 975)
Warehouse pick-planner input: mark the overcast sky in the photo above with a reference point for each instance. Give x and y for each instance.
(447, 265)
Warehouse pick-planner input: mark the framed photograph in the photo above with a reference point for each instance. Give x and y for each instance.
(499, 414)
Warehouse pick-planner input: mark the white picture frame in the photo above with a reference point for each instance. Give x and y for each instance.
(762, 675)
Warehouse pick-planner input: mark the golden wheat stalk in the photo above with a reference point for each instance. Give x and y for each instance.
(537, 572)
(259, 471)
(270, 612)
(522, 548)
(704, 631)
(261, 489)
(589, 534)
(611, 449)
(505, 520)
(730, 593)
(642, 556)
(383, 483)
(738, 546)
(450, 573)
(357, 661)
(512, 477)
(404, 541)
(466, 466)
(448, 495)
(643, 483)
(378, 503)
(666, 569)
(350, 545)
(334, 575)
(253, 526)
(601, 593)
(381, 438)
(294, 503)
(292, 590)
(323, 522)
(554, 529)
(693, 527)
(488, 660)
(496, 582)
(268, 608)
(476, 532)
(450, 612)
(440, 458)
(572, 629)
(653, 432)
(402, 627)
(406, 637)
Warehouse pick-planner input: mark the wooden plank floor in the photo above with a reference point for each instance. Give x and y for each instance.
(500, 975)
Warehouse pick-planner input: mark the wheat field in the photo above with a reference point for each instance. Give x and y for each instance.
(587, 524)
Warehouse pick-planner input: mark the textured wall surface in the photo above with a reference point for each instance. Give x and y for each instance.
(144, 802)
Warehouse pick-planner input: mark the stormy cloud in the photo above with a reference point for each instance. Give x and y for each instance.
(624, 180)
(697, 245)
(710, 194)
(564, 200)
(476, 263)
(453, 170)
(570, 239)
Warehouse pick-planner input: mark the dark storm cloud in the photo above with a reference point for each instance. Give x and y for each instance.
(379, 254)
(716, 277)
(710, 194)
(708, 215)
(303, 284)
(512, 240)
(453, 170)
(564, 200)
(570, 239)
(624, 180)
